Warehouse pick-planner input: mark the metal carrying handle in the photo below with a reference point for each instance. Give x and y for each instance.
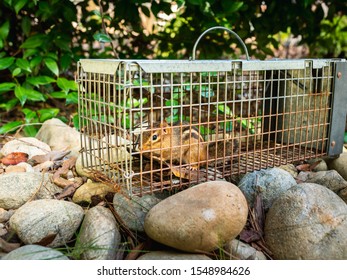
(225, 29)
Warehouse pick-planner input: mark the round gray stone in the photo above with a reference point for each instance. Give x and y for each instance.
(308, 221)
(269, 183)
(34, 252)
(134, 210)
(39, 220)
(19, 187)
(99, 236)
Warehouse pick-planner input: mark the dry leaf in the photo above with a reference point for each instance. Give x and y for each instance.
(47, 240)
(51, 156)
(8, 247)
(308, 166)
(14, 158)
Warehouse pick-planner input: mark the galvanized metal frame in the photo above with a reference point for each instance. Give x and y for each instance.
(262, 92)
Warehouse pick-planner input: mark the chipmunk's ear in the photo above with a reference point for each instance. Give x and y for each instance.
(164, 124)
(165, 127)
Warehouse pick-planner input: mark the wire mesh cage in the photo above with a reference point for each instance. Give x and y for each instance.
(152, 125)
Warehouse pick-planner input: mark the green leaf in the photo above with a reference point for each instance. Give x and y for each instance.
(102, 38)
(223, 108)
(53, 56)
(72, 98)
(171, 102)
(345, 138)
(4, 30)
(97, 13)
(231, 6)
(195, 2)
(173, 118)
(23, 94)
(6, 62)
(35, 41)
(9, 127)
(30, 115)
(19, 5)
(16, 72)
(206, 91)
(65, 61)
(23, 64)
(40, 80)
(227, 126)
(9, 105)
(30, 52)
(66, 85)
(46, 114)
(76, 122)
(35, 61)
(52, 65)
(5, 87)
(30, 130)
(107, 17)
(35, 95)
(58, 94)
(26, 25)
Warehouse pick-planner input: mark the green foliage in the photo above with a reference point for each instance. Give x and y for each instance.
(36, 43)
(41, 42)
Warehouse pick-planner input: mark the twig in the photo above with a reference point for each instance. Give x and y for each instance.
(105, 30)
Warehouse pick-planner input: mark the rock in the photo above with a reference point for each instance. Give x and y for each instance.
(28, 145)
(201, 218)
(81, 171)
(3, 230)
(34, 252)
(330, 179)
(290, 168)
(322, 165)
(87, 190)
(48, 221)
(15, 168)
(170, 255)
(339, 164)
(133, 211)
(343, 194)
(117, 155)
(27, 166)
(99, 236)
(18, 188)
(47, 189)
(59, 136)
(5, 215)
(307, 222)
(242, 251)
(270, 183)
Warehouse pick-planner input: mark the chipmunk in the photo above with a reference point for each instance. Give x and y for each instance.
(182, 142)
(178, 142)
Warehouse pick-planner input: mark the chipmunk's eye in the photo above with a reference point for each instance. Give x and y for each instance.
(154, 137)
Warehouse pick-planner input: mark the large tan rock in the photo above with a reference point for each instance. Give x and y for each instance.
(202, 218)
(308, 221)
(59, 136)
(340, 165)
(85, 192)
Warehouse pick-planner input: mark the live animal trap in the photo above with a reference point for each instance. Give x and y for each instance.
(151, 125)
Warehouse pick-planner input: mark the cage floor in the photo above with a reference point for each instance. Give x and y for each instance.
(246, 161)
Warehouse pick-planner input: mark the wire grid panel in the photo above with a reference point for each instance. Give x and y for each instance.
(155, 125)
